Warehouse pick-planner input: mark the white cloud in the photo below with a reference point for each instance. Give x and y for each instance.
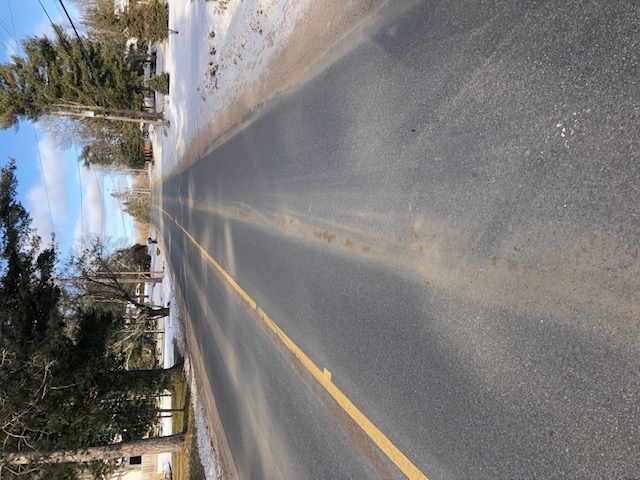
(102, 215)
(56, 171)
(121, 224)
(43, 27)
(91, 221)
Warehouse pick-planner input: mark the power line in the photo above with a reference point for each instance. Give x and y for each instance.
(6, 28)
(85, 54)
(47, 14)
(5, 45)
(59, 9)
(87, 58)
(35, 134)
(11, 15)
(13, 26)
(13, 36)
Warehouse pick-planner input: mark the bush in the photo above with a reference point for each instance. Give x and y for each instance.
(159, 83)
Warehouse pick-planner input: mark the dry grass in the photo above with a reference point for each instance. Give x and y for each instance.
(185, 464)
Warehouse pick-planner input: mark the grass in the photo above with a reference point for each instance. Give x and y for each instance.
(185, 464)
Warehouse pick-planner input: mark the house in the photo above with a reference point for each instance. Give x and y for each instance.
(138, 468)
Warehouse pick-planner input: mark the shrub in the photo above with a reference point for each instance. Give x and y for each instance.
(159, 83)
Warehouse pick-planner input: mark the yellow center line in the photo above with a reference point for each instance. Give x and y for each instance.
(322, 376)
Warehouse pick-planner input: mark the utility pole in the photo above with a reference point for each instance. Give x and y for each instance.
(118, 193)
(121, 170)
(131, 277)
(131, 191)
(121, 277)
(106, 274)
(124, 116)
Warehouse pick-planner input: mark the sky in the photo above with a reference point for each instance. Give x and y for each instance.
(62, 196)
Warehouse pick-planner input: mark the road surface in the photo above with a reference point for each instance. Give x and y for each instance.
(445, 217)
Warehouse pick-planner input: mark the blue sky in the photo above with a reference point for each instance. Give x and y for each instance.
(77, 201)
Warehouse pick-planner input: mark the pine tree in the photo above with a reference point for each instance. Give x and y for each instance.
(57, 73)
(145, 20)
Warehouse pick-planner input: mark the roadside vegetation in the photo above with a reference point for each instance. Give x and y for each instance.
(160, 83)
(91, 91)
(96, 92)
(145, 20)
(78, 367)
(137, 203)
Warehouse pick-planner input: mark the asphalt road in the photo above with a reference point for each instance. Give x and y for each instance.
(446, 217)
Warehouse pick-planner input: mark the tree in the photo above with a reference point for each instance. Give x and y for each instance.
(135, 257)
(27, 295)
(147, 21)
(159, 83)
(108, 143)
(138, 205)
(100, 273)
(107, 278)
(146, 446)
(104, 143)
(62, 385)
(102, 23)
(56, 74)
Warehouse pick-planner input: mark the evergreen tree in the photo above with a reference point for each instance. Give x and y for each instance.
(55, 74)
(62, 386)
(145, 20)
(111, 143)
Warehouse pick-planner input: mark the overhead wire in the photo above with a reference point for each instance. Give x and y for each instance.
(5, 45)
(100, 192)
(6, 29)
(13, 24)
(58, 8)
(47, 14)
(87, 58)
(65, 24)
(14, 35)
(101, 91)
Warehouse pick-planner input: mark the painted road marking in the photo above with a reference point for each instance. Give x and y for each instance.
(322, 376)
